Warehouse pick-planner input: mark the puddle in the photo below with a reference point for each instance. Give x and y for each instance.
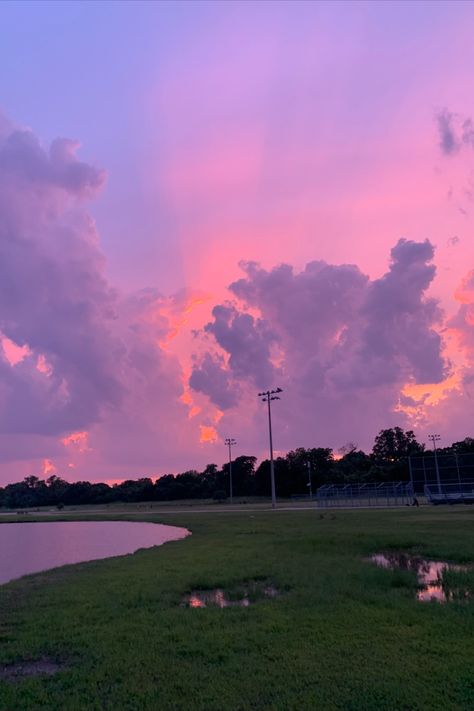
(430, 575)
(218, 598)
(24, 669)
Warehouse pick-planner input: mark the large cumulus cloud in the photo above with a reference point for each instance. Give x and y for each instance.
(392, 338)
(343, 346)
(91, 360)
(90, 356)
(53, 295)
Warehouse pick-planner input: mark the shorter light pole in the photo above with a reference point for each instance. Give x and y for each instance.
(309, 481)
(435, 438)
(229, 441)
(267, 396)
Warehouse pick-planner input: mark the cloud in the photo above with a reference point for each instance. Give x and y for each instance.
(247, 340)
(80, 363)
(454, 131)
(465, 291)
(396, 339)
(54, 299)
(448, 141)
(463, 321)
(90, 376)
(212, 378)
(345, 344)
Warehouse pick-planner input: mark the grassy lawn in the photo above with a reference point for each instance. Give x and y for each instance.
(343, 635)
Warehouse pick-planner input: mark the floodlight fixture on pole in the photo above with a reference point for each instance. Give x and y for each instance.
(267, 396)
(435, 438)
(230, 441)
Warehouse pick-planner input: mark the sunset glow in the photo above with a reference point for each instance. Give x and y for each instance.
(264, 194)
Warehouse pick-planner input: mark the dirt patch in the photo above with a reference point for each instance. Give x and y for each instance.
(31, 667)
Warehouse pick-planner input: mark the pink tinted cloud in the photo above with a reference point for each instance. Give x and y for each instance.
(347, 345)
(272, 146)
(117, 366)
(54, 299)
(82, 372)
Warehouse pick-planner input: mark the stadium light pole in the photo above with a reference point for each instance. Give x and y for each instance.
(309, 480)
(229, 441)
(435, 438)
(267, 396)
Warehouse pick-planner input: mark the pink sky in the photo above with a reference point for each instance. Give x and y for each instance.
(263, 194)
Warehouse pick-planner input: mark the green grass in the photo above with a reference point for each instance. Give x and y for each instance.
(343, 635)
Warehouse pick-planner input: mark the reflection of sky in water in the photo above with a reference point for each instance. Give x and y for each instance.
(429, 574)
(33, 547)
(203, 598)
(432, 592)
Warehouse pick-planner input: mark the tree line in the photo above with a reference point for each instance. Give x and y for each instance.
(388, 461)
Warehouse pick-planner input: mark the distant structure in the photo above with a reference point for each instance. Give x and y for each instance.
(443, 478)
(268, 396)
(230, 441)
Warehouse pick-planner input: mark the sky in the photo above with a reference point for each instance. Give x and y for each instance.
(203, 200)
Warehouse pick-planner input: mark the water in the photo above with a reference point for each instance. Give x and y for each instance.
(217, 597)
(429, 573)
(34, 547)
(39, 667)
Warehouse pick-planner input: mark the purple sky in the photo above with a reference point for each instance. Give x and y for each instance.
(200, 200)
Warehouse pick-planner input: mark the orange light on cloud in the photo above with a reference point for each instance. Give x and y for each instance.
(193, 409)
(48, 468)
(13, 352)
(427, 395)
(178, 322)
(208, 434)
(217, 416)
(432, 393)
(465, 291)
(43, 366)
(78, 440)
(187, 397)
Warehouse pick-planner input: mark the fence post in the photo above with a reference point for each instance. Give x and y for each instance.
(459, 473)
(424, 470)
(410, 469)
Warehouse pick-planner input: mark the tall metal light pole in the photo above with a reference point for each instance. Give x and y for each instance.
(229, 441)
(309, 481)
(267, 396)
(435, 438)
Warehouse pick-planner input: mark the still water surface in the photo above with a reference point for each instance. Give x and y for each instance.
(33, 547)
(430, 575)
(218, 598)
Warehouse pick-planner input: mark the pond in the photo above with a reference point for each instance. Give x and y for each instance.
(34, 547)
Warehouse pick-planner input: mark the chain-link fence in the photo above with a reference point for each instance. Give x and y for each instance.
(393, 493)
(432, 471)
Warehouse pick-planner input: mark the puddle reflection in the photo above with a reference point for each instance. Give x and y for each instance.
(217, 597)
(429, 573)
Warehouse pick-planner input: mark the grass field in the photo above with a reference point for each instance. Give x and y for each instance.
(343, 635)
